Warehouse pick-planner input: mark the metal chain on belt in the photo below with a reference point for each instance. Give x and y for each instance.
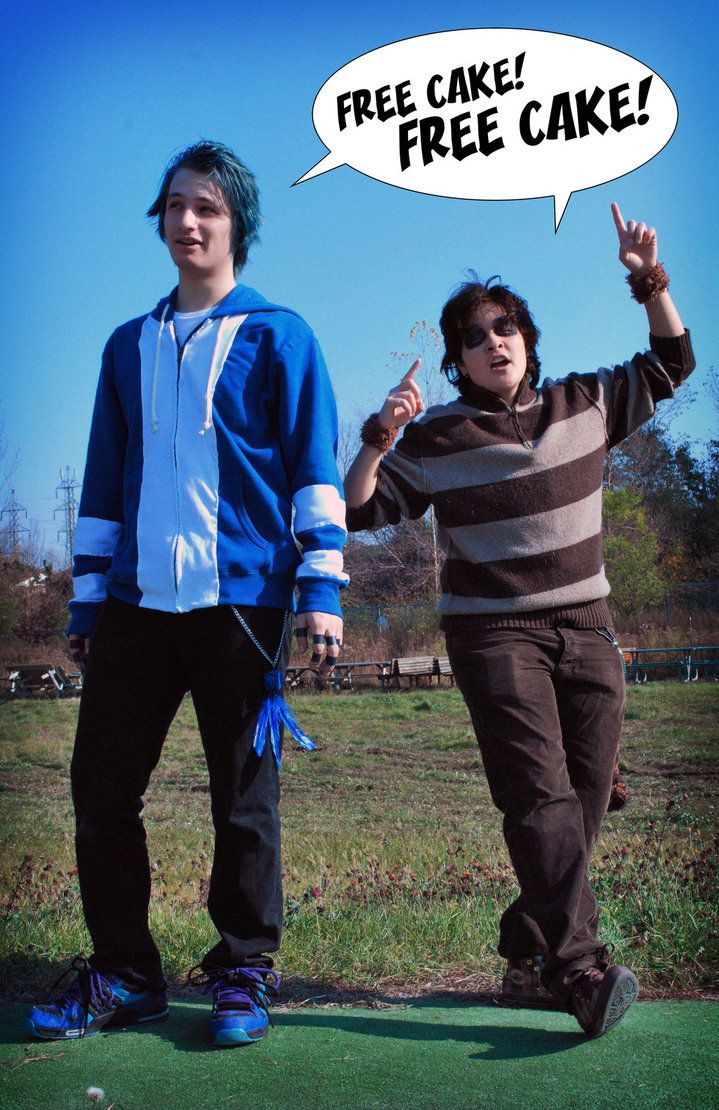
(273, 662)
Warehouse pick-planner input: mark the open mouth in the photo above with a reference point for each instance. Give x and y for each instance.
(188, 242)
(499, 363)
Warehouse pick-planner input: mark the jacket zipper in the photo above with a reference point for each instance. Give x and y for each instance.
(515, 421)
(180, 353)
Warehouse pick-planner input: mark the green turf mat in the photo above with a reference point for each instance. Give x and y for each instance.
(663, 1055)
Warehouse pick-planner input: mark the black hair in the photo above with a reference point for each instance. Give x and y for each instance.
(457, 313)
(235, 181)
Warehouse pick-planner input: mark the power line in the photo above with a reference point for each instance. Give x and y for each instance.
(68, 485)
(14, 529)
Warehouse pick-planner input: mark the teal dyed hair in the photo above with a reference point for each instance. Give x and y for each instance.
(232, 177)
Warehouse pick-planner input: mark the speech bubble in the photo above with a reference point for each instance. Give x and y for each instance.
(493, 113)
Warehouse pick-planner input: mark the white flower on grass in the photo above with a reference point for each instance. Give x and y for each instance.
(95, 1094)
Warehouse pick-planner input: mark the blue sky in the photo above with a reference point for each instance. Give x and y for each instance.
(98, 97)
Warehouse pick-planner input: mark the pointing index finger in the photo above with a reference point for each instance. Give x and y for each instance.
(412, 370)
(618, 220)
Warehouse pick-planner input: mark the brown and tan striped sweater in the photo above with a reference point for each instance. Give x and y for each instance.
(517, 489)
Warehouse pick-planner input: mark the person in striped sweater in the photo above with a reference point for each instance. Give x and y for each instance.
(513, 470)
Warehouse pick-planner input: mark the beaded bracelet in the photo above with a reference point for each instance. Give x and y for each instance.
(647, 287)
(374, 435)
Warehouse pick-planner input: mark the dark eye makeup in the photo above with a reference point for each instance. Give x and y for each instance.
(474, 335)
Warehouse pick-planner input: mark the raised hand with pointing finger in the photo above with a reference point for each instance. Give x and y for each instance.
(647, 278)
(404, 401)
(637, 243)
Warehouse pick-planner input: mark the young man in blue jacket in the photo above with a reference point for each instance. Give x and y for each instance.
(214, 422)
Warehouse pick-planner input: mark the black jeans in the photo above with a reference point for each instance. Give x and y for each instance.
(141, 664)
(547, 708)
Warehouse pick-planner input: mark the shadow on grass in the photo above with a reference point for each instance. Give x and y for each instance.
(187, 1027)
(496, 1042)
(187, 1031)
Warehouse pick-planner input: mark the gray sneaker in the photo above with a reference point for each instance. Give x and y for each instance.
(601, 996)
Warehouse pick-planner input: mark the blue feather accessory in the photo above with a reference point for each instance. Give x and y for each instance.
(274, 713)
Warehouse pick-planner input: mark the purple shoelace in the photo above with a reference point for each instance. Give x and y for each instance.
(91, 989)
(238, 987)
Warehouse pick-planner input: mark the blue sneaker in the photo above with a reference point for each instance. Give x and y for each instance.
(240, 1004)
(95, 1001)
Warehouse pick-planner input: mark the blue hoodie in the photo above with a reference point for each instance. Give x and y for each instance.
(198, 459)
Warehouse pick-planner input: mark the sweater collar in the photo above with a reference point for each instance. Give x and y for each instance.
(484, 398)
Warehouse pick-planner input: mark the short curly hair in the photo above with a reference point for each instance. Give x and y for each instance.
(235, 181)
(457, 313)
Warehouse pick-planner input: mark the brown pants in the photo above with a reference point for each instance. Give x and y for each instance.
(547, 707)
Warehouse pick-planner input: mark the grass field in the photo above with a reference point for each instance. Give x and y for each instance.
(417, 1056)
(395, 870)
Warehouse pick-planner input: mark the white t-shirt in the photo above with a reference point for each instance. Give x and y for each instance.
(186, 322)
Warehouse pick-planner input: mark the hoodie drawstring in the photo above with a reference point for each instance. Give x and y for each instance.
(226, 332)
(211, 383)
